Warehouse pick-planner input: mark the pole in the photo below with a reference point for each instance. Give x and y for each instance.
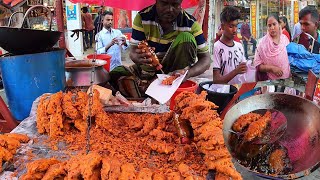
(205, 26)
(59, 17)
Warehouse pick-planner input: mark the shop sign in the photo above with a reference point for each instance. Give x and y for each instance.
(296, 11)
(34, 2)
(72, 12)
(254, 19)
(316, 96)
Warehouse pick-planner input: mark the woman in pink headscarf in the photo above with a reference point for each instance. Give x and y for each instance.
(271, 58)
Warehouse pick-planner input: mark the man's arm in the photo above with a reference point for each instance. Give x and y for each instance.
(200, 66)
(101, 49)
(218, 78)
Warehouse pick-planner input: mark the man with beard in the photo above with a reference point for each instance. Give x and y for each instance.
(309, 20)
(111, 41)
(176, 37)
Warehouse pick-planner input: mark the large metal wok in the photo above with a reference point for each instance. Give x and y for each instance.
(20, 41)
(302, 137)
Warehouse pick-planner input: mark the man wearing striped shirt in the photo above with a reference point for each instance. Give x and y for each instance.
(176, 36)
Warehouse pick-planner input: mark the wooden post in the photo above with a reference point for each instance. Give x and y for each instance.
(59, 16)
(205, 26)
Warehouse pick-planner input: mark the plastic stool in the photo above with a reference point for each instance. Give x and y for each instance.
(7, 121)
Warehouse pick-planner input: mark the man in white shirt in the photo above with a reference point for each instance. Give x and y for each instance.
(229, 59)
(111, 41)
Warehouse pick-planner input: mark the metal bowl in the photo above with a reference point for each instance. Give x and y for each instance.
(303, 125)
(78, 72)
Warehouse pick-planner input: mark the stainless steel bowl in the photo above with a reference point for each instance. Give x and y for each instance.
(303, 125)
(78, 72)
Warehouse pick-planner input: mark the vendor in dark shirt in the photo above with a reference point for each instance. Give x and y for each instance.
(309, 38)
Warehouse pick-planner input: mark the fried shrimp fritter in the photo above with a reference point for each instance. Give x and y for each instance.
(244, 120)
(256, 128)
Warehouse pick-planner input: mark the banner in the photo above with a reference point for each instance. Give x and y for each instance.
(200, 11)
(254, 19)
(137, 5)
(296, 12)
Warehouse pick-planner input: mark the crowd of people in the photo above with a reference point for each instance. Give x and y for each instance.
(178, 40)
(271, 57)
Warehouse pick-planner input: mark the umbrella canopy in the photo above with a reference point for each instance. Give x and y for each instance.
(130, 5)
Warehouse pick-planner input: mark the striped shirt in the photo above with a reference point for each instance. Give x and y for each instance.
(146, 27)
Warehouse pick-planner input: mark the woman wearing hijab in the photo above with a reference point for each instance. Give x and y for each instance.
(271, 58)
(285, 27)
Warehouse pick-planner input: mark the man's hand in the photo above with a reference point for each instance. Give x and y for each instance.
(123, 39)
(140, 56)
(277, 71)
(241, 68)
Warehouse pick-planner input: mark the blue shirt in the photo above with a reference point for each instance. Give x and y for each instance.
(104, 38)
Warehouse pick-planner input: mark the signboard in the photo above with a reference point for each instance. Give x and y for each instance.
(72, 12)
(296, 12)
(254, 19)
(34, 2)
(316, 96)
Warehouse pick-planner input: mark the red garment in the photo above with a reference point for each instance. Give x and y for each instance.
(285, 32)
(88, 22)
(218, 37)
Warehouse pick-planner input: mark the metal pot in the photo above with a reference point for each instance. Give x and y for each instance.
(303, 125)
(78, 72)
(20, 41)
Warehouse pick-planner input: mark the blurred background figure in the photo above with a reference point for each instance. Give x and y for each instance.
(88, 26)
(247, 37)
(98, 21)
(271, 58)
(285, 27)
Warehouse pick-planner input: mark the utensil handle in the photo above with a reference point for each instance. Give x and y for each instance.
(10, 18)
(36, 6)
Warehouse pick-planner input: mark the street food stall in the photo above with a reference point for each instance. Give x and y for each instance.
(86, 131)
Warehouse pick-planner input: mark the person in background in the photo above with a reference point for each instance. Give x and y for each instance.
(247, 37)
(98, 21)
(229, 60)
(88, 26)
(296, 30)
(285, 27)
(219, 34)
(309, 38)
(271, 58)
(111, 41)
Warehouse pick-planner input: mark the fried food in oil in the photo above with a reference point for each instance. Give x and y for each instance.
(256, 128)
(68, 106)
(55, 172)
(244, 120)
(128, 172)
(37, 169)
(144, 174)
(277, 160)
(169, 80)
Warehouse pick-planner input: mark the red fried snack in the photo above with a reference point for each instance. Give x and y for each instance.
(155, 61)
(169, 80)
